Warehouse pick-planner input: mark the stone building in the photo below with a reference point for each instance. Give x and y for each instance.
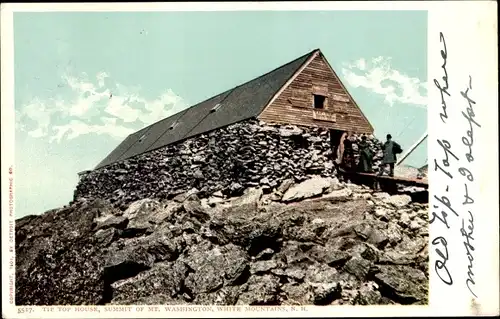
(305, 92)
(279, 125)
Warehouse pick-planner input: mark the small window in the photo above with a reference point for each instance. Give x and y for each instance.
(319, 101)
(173, 125)
(215, 108)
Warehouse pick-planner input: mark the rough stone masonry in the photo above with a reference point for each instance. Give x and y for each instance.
(229, 160)
(245, 154)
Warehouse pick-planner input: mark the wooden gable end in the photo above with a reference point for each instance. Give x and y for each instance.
(295, 102)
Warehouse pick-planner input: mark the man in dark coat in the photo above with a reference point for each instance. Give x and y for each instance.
(365, 156)
(348, 154)
(390, 148)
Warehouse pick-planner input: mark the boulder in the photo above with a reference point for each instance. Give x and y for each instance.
(195, 210)
(398, 201)
(263, 266)
(127, 263)
(106, 236)
(338, 195)
(358, 266)
(250, 197)
(206, 279)
(119, 222)
(326, 293)
(164, 280)
(287, 183)
(307, 189)
(262, 290)
(403, 284)
(368, 294)
(296, 294)
(141, 207)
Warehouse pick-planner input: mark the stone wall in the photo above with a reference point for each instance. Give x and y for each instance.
(229, 160)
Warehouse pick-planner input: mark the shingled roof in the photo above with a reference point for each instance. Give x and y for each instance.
(237, 104)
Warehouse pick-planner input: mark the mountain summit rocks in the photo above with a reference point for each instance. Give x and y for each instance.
(248, 249)
(250, 214)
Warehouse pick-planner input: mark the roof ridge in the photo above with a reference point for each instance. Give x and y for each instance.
(275, 69)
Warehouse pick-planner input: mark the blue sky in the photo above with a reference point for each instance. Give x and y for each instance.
(67, 65)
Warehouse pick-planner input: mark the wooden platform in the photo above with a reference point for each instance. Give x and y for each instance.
(384, 182)
(399, 179)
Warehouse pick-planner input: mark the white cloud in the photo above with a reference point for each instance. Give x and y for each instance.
(100, 78)
(379, 77)
(361, 64)
(40, 113)
(94, 107)
(156, 109)
(77, 128)
(118, 107)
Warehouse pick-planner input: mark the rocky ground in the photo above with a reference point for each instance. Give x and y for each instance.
(319, 242)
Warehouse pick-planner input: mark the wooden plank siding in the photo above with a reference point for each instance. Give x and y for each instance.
(294, 105)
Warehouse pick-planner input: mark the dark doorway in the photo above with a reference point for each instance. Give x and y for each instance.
(335, 137)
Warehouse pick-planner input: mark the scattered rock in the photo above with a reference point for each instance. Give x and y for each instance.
(206, 279)
(262, 290)
(321, 274)
(141, 207)
(265, 254)
(326, 293)
(290, 131)
(398, 201)
(195, 209)
(184, 196)
(285, 185)
(329, 256)
(119, 222)
(358, 266)
(251, 196)
(263, 266)
(417, 223)
(236, 189)
(404, 220)
(338, 195)
(335, 185)
(106, 236)
(297, 294)
(402, 284)
(127, 263)
(164, 280)
(368, 294)
(218, 194)
(394, 233)
(307, 189)
(382, 212)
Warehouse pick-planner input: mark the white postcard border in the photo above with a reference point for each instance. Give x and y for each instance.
(469, 29)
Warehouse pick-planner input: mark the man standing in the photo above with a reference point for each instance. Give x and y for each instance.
(365, 156)
(348, 153)
(390, 148)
